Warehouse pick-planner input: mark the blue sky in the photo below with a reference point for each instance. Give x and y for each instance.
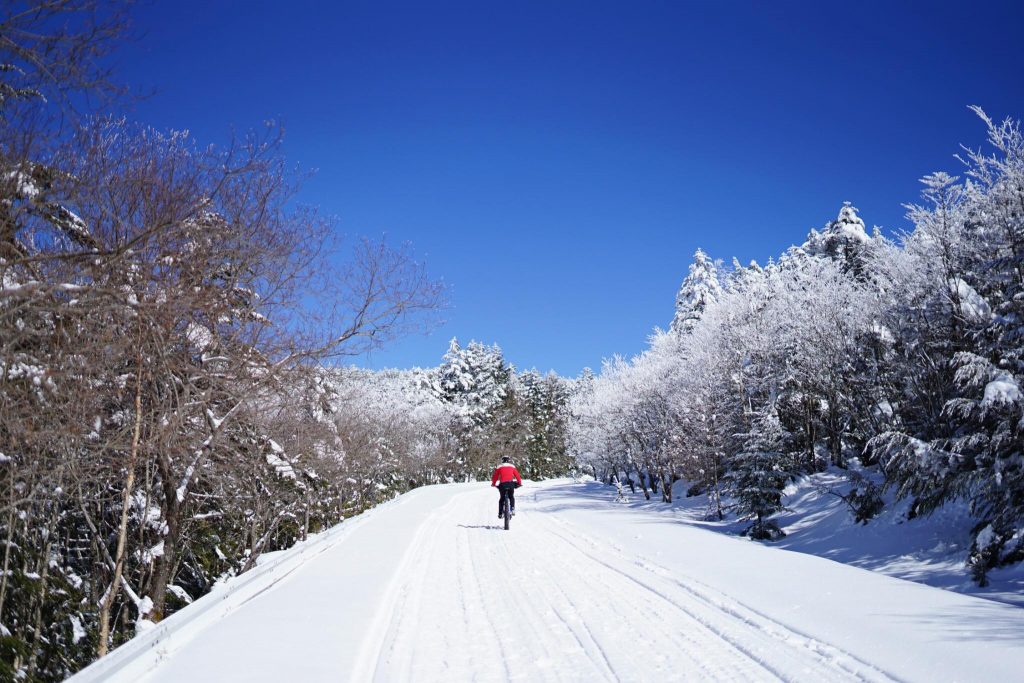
(557, 163)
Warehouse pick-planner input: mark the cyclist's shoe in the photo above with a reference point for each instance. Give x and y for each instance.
(513, 511)
(500, 515)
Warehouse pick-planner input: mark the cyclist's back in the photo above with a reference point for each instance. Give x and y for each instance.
(506, 477)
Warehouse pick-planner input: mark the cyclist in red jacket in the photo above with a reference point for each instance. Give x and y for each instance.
(506, 478)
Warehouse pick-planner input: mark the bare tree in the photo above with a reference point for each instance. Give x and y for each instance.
(164, 314)
(56, 48)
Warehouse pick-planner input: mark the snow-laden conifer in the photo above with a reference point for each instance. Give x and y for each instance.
(844, 240)
(758, 474)
(701, 287)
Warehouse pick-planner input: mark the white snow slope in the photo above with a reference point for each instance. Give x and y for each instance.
(429, 588)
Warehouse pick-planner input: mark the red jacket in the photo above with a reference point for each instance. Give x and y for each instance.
(506, 472)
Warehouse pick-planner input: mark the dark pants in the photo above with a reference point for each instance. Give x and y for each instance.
(507, 488)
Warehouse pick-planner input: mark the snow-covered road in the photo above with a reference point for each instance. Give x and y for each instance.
(430, 588)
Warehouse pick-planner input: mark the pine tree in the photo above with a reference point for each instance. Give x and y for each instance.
(475, 381)
(758, 475)
(701, 287)
(843, 240)
(474, 378)
(545, 405)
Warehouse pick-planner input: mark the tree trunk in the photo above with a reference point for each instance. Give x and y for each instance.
(718, 493)
(122, 530)
(809, 430)
(835, 437)
(7, 548)
(642, 480)
(165, 563)
(38, 621)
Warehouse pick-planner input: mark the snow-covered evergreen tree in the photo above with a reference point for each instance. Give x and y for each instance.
(475, 381)
(701, 287)
(474, 378)
(758, 474)
(844, 240)
(544, 404)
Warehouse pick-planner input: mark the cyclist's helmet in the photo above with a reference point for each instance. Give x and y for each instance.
(506, 458)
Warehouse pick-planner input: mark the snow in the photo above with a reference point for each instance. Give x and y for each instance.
(77, 631)
(850, 225)
(153, 553)
(1002, 389)
(882, 409)
(428, 587)
(18, 370)
(180, 593)
(972, 305)
(187, 479)
(883, 332)
(74, 224)
(268, 557)
(199, 335)
(276, 459)
(985, 537)
(701, 287)
(25, 187)
(144, 605)
(927, 549)
(151, 516)
(214, 421)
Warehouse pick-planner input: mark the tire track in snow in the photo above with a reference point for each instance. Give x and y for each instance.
(518, 608)
(692, 649)
(582, 657)
(628, 640)
(444, 630)
(373, 642)
(734, 636)
(837, 661)
(610, 669)
(406, 610)
(505, 634)
(553, 649)
(481, 599)
(692, 658)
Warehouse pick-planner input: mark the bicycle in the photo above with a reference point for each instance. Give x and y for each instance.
(506, 512)
(506, 477)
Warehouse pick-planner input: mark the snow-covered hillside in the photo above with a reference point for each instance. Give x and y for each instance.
(930, 549)
(429, 588)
